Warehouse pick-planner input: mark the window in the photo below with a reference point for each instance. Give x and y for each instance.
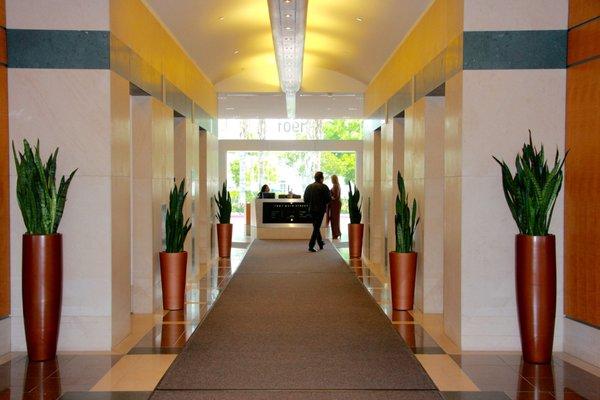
(286, 129)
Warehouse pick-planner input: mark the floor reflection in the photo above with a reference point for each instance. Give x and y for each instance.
(48, 380)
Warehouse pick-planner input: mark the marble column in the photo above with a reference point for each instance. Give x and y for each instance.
(76, 103)
(514, 79)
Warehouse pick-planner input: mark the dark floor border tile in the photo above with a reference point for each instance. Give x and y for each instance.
(428, 350)
(155, 350)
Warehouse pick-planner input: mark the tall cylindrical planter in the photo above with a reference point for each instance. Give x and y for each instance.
(535, 275)
(42, 294)
(355, 239)
(403, 273)
(224, 234)
(172, 273)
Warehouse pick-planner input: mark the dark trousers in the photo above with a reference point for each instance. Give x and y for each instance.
(317, 220)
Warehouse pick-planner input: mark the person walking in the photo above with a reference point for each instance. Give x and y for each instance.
(317, 196)
(335, 206)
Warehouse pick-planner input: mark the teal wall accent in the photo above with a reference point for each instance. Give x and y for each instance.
(515, 50)
(58, 49)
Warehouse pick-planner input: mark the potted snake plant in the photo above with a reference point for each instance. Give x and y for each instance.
(173, 261)
(531, 195)
(42, 206)
(403, 261)
(355, 227)
(224, 227)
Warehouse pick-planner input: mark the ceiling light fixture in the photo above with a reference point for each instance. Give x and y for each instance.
(359, 19)
(288, 40)
(236, 51)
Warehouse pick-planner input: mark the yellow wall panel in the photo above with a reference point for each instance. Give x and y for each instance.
(433, 33)
(135, 25)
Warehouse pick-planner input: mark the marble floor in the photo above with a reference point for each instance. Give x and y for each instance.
(134, 367)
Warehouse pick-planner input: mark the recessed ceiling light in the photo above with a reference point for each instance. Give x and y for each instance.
(288, 15)
(236, 51)
(359, 19)
(221, 18)
(287, 1)
(287, 28)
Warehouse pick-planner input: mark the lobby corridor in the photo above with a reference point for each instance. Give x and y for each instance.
(294, 325)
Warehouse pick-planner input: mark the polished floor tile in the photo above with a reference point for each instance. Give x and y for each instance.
(20, 378)
(106, 396)
(464, 360)
(445, 373)
(498, 378)
(164, 339)
(135, 373)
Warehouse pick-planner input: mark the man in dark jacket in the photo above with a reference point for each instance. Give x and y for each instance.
(317, 196)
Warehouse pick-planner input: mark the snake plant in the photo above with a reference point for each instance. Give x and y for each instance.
(353, 204)
(41, 204)
(406, 220)
(223, 200)
(531, 193)
(176, 229)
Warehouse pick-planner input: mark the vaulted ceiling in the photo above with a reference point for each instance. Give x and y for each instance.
(347, 41)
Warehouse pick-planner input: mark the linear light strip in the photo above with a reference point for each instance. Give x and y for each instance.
(288, 25)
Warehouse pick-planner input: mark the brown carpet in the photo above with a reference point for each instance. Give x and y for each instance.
(292, 325)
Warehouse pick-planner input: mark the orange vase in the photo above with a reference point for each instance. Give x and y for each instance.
(224, 234)
(355, 238)
(172, 273)
(535, 279)
(403, 273)
(42, 294)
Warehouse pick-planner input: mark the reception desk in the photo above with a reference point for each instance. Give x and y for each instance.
(282, 219)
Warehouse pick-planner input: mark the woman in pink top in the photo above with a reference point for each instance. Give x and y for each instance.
(335, 205)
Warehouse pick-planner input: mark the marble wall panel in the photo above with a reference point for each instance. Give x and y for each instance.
(523, 99)
(582, 341)
(492, 15)
(414, 179)
(120, 208)
(452, 207)
(209, 185)
(58, 14)
(78, 121)
(141, 189)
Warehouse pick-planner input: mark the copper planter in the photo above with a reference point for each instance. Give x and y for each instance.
(403, 272)
(42, 294)
(172, 273)
(535, 278)
(224, 232)
(355, 238)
